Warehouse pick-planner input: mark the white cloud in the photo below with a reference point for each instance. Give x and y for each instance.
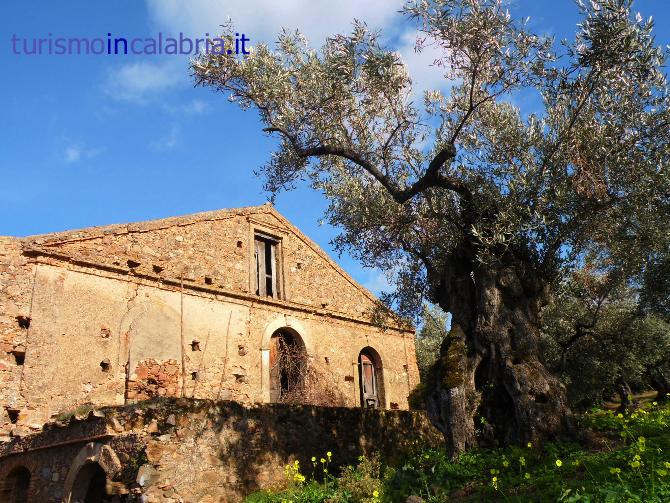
(421, 65)
(262, 20)
(137, 82)
(72, 154)
(193, 107)
(169, 140)
(76, 152)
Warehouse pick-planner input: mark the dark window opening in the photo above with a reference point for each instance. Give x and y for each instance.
(19, 356)
(23, 321)
(13, 415)
(266, 263)
(195, 345)
(133, 264)
(208, 280)
(288, 361)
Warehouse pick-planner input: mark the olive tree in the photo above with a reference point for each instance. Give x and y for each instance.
(429, 338)
(599, 340)
(472, 203)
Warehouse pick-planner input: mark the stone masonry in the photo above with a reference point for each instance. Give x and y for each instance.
(196, 451)
(109, 316)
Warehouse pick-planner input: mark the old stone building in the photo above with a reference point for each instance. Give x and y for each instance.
(225, 305)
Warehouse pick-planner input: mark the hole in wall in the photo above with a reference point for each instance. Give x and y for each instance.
(13, 415)
(157, 269)
(299, 265)
(19, 356)
(23, 321)
(133, 264)
(327, 360)
(208, 280)
(541, 398)
(195, 345)
(105, 365)
(194, 376)
(239, 244)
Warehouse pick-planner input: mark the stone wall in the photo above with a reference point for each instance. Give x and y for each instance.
(16, 280)
(111, 315)
(169, 450)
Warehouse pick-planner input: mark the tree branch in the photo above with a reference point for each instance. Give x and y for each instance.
(431, 177)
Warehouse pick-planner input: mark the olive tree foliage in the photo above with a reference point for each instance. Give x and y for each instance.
(429, 338)
(474, 205)
(655, 291)
(600, 341)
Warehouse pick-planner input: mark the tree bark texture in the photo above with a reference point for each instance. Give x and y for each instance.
(489, 386)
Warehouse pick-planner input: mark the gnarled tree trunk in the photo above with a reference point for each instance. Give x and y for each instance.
(626, 402)
(489, 386)
(660, 383)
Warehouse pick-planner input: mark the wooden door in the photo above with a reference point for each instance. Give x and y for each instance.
(368, 382)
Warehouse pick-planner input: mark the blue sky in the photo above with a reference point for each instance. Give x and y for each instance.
(94, 140)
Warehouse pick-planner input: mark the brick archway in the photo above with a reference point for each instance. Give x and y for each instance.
(280, 323)
(86, 466)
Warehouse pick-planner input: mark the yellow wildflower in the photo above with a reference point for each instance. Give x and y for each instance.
(527, 475)
(322, 460)
(505, 463)
(615, 471)
(329, 454)
(529, 445)
(522, 461)
(313, 459)
(375, 494)
(661, 472)
(494, 482)
(559, 463)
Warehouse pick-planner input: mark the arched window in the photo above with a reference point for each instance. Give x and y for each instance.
(288, 361)
(17, 485)
(90, 486)
(371, 379)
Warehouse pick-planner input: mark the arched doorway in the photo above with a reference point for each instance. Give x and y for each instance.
(371, 379)
(90, 486)
(17, 485)
(288, 361)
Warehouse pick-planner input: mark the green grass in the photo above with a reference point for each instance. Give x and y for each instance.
(618, 458)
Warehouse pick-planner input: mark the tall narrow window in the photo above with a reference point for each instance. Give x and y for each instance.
(265, 252)
(370, 379)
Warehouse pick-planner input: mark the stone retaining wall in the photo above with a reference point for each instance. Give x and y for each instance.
(181, 450)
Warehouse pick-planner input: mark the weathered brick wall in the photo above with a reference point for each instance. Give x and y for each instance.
(16, 280)
(205, 451)
(164, 308)
(215, 248)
